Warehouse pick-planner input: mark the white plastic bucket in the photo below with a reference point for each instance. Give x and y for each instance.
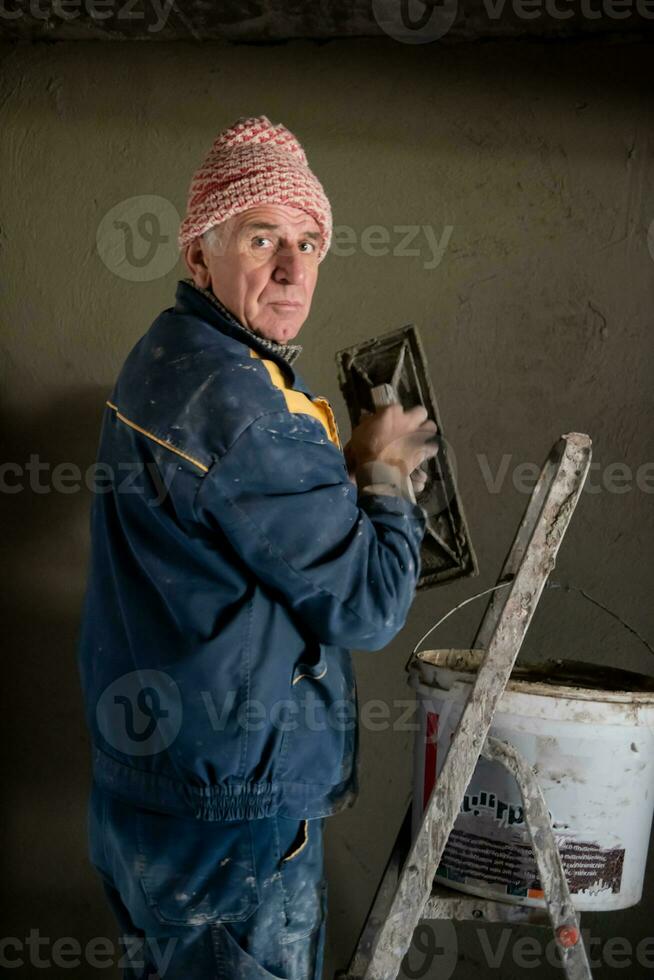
(589, 734)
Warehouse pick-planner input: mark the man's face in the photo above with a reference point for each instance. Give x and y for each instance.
(263, 266)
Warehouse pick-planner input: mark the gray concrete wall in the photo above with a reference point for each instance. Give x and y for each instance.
(537, 320)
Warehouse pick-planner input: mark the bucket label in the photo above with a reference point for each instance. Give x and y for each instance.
(488, 804)
(511, 867)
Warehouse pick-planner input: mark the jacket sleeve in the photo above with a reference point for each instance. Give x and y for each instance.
(345, 563)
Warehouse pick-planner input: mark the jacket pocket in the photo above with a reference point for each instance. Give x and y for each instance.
(310, 668)
(193, 872)
(318, 744)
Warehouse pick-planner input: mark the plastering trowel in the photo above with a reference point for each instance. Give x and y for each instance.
(392, 368)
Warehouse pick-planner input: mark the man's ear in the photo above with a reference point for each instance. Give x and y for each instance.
(194, 257)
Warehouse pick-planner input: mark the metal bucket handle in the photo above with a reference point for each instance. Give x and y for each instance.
(548, 585)
(471, 598)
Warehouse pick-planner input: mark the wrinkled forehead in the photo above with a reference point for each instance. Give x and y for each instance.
(290, 222)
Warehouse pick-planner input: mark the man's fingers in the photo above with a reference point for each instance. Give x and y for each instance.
(421, 438)
(416, 422)
(426, 452)
(417, 413)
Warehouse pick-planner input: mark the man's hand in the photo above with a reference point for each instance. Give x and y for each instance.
(418, 477)
(391, 435)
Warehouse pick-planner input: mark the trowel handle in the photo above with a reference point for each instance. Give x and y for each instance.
(383, 395)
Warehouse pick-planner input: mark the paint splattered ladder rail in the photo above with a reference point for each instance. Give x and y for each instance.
(407, 892)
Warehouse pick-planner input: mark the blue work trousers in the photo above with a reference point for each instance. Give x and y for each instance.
(198, 900)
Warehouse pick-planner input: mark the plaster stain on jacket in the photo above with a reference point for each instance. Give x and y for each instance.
(198, 391)
(178, 360)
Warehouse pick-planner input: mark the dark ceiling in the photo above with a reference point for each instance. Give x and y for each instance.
(274, 21)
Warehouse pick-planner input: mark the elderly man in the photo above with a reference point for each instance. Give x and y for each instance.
(238, 552)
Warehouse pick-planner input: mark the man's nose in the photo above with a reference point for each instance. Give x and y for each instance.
(289, 267)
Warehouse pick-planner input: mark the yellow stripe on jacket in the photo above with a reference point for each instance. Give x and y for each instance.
(296, 401)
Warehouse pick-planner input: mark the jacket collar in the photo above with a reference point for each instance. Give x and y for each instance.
(197, 301)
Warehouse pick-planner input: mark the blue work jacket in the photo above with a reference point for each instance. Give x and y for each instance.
(233, 565)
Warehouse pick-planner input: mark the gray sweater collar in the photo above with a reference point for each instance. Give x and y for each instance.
(288, 351)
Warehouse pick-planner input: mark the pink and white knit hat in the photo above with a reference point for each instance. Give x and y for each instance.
(254, 162)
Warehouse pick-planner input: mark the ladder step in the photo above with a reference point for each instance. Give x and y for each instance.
(445, 903)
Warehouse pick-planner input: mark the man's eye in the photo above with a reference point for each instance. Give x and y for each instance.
(260, 241)
(308, 246)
